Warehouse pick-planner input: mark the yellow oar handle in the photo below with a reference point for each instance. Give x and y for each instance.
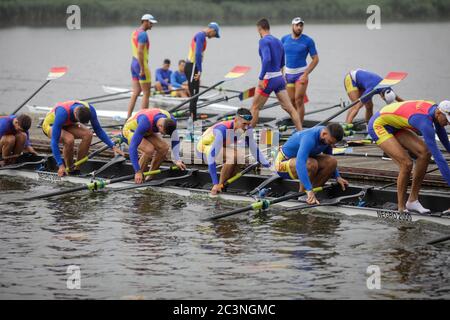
(77, 163)
(158, 171)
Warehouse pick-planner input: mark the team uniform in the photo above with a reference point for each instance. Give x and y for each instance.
(142, 125)
(7, 128)
(219, 136)
(62, 116)
(299, 147)
(272, 61)
(297, 51)
(364, 82)
(163, 76)
(177, 79)
(417, 116)
(140, 36)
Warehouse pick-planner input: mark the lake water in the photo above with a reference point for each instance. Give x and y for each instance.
(145, 244)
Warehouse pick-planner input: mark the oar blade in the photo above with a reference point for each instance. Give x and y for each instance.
(237, 72)
(247, 94)
(56, 72)
(392, 79)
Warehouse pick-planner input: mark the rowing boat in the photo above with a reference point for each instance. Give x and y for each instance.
(356, 200)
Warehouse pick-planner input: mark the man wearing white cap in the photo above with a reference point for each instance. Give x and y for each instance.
(297, 46)
(193, 67)
(140, 73)
(393, 128)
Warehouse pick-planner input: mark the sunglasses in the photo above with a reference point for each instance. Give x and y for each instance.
(246, 117)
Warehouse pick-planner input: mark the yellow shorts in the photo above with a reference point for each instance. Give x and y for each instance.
(283, 166)
(349, 84)
(48, 123)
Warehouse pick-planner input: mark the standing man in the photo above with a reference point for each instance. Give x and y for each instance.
(140, 73)
(14, 137)
(393, 129)
(178, 80)
(194, 61)
(307, 156)
(65, 123)
(162, 75)
(297, 46)
(271, 79)
(358, 83)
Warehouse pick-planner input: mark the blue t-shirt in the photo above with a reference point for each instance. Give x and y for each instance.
(177, 79)
(163, 77)
(271, 52)
(297, 50)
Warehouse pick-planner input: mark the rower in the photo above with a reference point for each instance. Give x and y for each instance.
(143, 131)
(360, 82)
(178, 80)
(223, 136)
(140, 73)
(392, 129)
(307, 156)
(65, 123)
(14, 137)
(297, 46)
(194, 61)
(162, 75)
(270, 78)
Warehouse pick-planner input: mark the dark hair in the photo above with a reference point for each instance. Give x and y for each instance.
(83, 114)
(166, 61)
(263, 24)
(181, 61)
(243, 112)
(336, 131)
(169, 126)
(24, 122)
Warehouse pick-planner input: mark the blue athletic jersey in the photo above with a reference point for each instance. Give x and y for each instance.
(7, 127)
(305, 144)
(272, 55)
(163, 77)
(297, 50)
(177, 79)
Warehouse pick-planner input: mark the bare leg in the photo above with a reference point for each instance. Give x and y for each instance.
(326, 167)
(369, 110)
(354, 95)
(148, 150)
(311, 165)
(162, 149)
(7, 144)
(395, 150)
(68, 141)
(145, 87)
(158, 87)
(290, 88)
(413, 143)
(289, 108)
(300, 92)
(83, 133)
(258, 101)
(135, 94)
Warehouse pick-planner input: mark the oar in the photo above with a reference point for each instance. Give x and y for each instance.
(265, 183)
(439, 240)
(23, 164)
(124, 98)
(242, 96)
(235, 73)
(264, 204)
(116, 160)
(90, 156)
(329, 202)
(239, 175)
(349, 152)
(108, 95)
(92, 186)
(393, 183)
(390, 80)
(159, 182)
(55, 73)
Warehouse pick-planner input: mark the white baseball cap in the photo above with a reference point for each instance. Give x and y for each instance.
(389, 96)
(149, 17)
(444, 107)
(297, 20)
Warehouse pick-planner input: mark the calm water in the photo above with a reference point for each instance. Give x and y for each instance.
(144, 244)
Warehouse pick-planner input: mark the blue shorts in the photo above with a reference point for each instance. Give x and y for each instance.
(276, 85)
(136, 70)
(291, 79)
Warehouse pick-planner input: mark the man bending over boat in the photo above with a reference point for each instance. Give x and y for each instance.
(14, 137)
(360, 82)
(271, 78)
(222, 136)
(66, 123)
(393, 128)
(307, 156)
(143, 131)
